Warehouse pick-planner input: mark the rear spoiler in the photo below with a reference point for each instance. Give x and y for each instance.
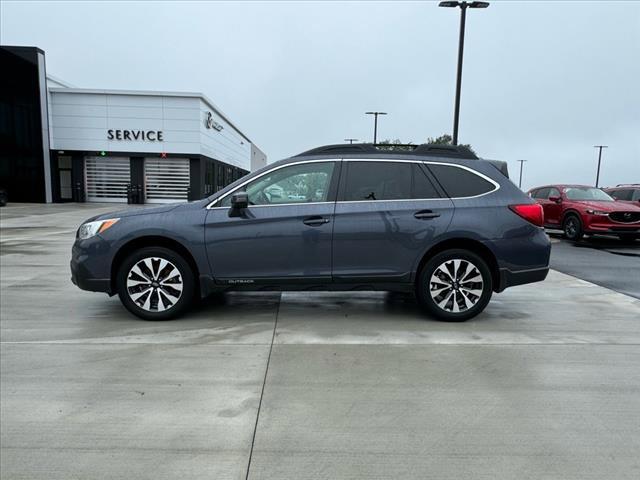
(500, 165)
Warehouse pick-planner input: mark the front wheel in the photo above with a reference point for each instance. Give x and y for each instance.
(155, 283)
(572, 227)
(455, 285)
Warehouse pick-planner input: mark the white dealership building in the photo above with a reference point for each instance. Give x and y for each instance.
(136, 146)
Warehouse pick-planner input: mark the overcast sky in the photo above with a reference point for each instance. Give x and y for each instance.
(543, 81)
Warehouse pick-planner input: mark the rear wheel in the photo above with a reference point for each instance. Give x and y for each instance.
(455, 285)
(572, 227)
(155, 283)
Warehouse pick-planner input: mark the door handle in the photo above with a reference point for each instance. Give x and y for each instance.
(426, 215)
(315, 221)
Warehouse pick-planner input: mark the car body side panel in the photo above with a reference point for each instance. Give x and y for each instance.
(183, 224)
(270, 242)
(381, 239)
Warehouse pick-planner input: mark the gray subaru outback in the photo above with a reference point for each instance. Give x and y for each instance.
(436, 221)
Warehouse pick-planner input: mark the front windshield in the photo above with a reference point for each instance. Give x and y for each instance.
(587, 193)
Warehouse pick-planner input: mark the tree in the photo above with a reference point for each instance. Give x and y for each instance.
(398, 145)
(395, 145)
(446, 139)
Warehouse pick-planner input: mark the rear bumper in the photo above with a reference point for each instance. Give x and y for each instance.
(509, 278)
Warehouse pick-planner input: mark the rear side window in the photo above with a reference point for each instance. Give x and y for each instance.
(387, 181)
(622, 194)
(422, 186)
(378, 181)
(459, 182)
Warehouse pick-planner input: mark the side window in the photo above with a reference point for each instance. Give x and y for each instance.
(636, 194)
(378, 181)
(303, 183)
(553, 192)
(422, 186)
(542, 194)
(622, 194)
(459, 182)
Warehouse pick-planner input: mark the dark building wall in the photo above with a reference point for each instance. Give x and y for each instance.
(22, 170)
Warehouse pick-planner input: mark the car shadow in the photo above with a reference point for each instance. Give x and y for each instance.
(609, 243)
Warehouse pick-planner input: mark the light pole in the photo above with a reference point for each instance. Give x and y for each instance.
(463, 15)
(520, 181)
(351, 140)
(599, 147)
(375, 124)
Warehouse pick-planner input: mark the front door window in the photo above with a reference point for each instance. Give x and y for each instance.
(303, 183)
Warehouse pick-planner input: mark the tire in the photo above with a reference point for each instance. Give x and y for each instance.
(144, 271)
(440, 292)
(628, 237)
(572, 227)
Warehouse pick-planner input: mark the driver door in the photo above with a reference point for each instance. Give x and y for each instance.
(285, 233)
(553, 210)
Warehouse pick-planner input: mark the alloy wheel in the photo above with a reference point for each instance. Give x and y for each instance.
(154, 284)
(456, 285)
(571, 228)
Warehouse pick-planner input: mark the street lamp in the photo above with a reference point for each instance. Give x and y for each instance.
(599, 147)
(463, 15)
(351, 140)
(520, 181)
(375, 124)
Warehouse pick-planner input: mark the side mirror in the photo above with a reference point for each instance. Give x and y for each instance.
(555, 199)
(239, 200)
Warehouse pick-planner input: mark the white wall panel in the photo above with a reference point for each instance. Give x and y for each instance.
(81, 120)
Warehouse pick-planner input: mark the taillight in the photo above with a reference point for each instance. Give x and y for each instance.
(531, 212)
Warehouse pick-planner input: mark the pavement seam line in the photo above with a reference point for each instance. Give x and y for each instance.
(264, 382)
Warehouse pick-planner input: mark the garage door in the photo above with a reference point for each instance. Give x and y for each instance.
(106, 178)
(166, 179)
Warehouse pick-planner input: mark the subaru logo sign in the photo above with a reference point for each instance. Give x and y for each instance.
(211, 123)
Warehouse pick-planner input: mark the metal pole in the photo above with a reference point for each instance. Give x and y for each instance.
(520, 181)
(599, 147)
(456, 113)
(375, 128)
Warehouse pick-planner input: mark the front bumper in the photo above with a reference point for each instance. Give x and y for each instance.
(89, 268)
(603, 224)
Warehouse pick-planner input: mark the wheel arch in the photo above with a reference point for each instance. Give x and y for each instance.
(573, 212)
(472, 245)
(152, 241)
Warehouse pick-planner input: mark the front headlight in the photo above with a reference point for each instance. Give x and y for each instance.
(597, 212)
(90, 229)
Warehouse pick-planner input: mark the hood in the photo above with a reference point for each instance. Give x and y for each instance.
(132, 212)
(609, 206)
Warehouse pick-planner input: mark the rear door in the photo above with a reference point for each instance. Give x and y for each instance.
(387, 214)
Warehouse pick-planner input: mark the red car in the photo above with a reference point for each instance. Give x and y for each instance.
(579, 210)
(625, 193)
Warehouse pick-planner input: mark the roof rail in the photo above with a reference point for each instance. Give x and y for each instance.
(434, 150)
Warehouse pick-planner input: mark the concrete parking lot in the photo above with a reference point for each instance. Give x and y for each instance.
(544, 384)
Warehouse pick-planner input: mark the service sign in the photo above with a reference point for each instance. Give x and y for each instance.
(136, 135)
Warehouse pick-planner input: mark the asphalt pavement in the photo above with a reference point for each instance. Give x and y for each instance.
(603, 260)
(544, 384)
